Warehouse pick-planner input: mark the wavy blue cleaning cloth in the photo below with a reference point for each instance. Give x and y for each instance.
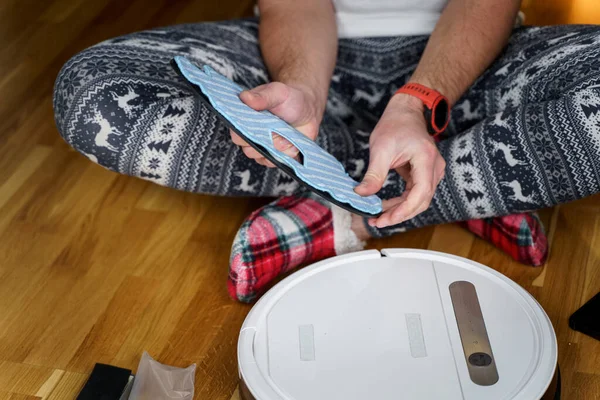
(320, 171)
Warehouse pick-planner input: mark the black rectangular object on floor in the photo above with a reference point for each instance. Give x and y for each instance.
(105, 383)
(587, 318)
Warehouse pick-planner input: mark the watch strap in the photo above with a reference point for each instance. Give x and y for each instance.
(437, 107)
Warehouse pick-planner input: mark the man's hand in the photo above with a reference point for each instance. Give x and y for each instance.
(294, 104)
(400, 141)
(298, 42)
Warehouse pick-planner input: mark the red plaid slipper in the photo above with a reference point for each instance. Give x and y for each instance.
(521, 236)
(283, 235)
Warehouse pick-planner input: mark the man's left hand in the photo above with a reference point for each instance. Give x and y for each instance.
(401, 142)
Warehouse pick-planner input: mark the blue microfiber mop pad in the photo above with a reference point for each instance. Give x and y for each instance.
(320, 171)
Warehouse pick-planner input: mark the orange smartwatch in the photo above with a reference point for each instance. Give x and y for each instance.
(436, 106)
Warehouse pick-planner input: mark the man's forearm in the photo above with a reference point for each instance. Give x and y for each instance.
(298, 40)
(468, 37)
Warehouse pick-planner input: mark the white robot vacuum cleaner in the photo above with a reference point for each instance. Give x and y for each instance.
(400, 324)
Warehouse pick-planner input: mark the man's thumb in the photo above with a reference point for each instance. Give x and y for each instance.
(374, 177)
(265, 97)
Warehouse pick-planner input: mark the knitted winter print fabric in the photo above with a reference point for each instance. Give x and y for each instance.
(526, 135)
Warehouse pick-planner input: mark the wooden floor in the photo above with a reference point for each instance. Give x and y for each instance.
(96, 267)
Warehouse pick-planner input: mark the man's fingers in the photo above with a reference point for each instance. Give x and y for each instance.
(379, 166)
(263, 161)
(406, 209)
(372, 182)
(285, 146)
(253, 154)
(391, 203)
(418, 197)
(265, 97)
(236, 139)
(416, 202)
(250, 152)
(281, 143)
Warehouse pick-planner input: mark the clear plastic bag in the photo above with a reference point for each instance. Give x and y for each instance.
(156, 381)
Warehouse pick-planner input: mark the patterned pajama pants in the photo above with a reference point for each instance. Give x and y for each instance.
(526, 135)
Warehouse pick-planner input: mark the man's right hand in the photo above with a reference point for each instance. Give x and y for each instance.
(294, 104)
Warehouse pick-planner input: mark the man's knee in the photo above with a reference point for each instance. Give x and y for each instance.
(72, 83)
(90, 100)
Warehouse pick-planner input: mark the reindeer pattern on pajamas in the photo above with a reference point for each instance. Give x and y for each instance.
(526, 135)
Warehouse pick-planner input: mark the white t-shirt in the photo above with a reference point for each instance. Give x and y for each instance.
(356, 18)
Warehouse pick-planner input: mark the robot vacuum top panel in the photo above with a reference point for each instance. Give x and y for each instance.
(415, 324)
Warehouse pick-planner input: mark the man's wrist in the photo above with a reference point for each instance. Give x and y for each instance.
(435, 106)
(445, 89)
(407, 101)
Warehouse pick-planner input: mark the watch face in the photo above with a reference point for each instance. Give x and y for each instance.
(441, 115)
